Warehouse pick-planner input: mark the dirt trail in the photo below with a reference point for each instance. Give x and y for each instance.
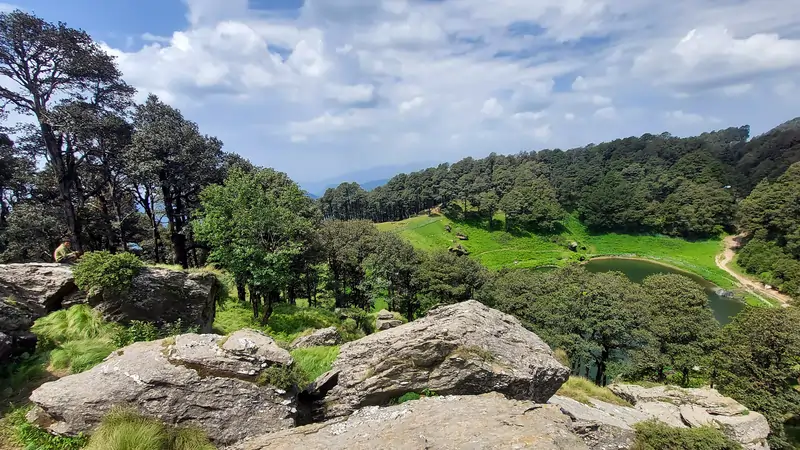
(754, 287)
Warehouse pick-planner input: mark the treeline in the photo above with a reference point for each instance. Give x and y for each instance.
(653, 183)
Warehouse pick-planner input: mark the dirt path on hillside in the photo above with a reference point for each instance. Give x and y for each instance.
(754, 287)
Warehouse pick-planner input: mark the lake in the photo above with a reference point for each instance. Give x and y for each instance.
(637, 270)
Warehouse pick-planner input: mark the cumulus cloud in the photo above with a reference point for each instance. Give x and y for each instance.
(441, 80)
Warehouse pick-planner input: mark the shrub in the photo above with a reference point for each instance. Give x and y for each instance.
(407, 397)
(114, 272)
(139, 331)
(581, 389)
(125, 429)
(282, 377)
(312, 362)
(561, 356)
(655, 435)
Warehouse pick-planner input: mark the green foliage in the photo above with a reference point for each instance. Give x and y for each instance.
(407, 397)
(283, 377)
(312, 362)
(101, 269)
(758, 363)
(79, 322)
(655, 435)
(125, 429)
(79, 356)
(139, 331)
(24, 372)
(582, 390)
(28, 436)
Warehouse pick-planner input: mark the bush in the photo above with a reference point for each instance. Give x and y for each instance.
(282, 377)
(139, 331)
(655, 435)
(124, 429)
(312, 362)
(114, 272)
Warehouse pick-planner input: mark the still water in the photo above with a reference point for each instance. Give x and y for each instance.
(637, 270)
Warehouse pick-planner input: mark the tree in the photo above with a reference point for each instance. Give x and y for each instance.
(448, 278)
(488, 204)
(46, 61)
(680, 325)
(395, 265)
(175, 161)
(255, 224)
(346, 244)
(698, 210)
(532, 205)
(758, 361)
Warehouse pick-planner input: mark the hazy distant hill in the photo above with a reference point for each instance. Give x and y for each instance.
(368, 179)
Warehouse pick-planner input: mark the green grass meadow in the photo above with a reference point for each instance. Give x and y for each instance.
(497, 249)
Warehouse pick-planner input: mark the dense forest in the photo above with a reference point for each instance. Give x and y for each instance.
(95, 168)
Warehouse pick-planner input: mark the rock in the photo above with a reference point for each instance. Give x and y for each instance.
(386, 320)
(697, 407)
(193, 381)
(243, 354)
(6, 346)
(461, 349)
(324, 337)
(666, 412)
(28, 292)
(487, 421)
(602, 426)
(164, 296)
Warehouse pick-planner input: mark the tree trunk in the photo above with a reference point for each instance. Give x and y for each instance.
(65, 183)
(241, 292)
(255, 298)
(601, 367)
(175, 226)
(685, 376)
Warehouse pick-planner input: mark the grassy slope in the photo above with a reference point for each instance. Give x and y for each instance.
(498, 249)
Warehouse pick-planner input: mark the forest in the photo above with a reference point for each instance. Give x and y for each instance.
(93, 167)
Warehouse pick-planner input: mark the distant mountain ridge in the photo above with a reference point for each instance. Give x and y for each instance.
(368, 179)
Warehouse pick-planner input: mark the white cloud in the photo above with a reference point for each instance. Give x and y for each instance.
(443, 80)
(492, 108)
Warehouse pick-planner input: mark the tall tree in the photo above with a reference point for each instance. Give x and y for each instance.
(48, 62)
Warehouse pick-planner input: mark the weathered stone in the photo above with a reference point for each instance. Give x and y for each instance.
(382, 325)
(164, 296)
(141, 376)
(461, 349)
(487, 421)
(324, 337)
(243, 354)
(697, 407)
(28, 292)
(665, 412)
(5, 345)
(602, 426)
(385, 315)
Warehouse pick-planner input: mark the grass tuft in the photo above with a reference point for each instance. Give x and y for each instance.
(81, 355)
(125, 429)
(79, 322)
(582, 390)
(314, 361)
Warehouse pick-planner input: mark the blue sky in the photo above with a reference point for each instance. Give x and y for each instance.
(320, 88)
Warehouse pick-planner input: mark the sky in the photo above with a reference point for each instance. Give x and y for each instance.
(323, 88)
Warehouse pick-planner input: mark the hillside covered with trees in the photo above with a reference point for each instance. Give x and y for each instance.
(93, 167)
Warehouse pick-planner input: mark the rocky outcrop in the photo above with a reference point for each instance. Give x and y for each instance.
(165, 296)
(386, 320)
(324, 337)
(462, 349)
(488, 421)
(28, 292)
(202, 380)
(606, 426)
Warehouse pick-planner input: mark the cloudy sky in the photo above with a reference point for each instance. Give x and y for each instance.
(320, 88)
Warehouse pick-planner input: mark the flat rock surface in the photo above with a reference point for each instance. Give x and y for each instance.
(141, 376)
(462, 349)
(324, 337)
(488, 421)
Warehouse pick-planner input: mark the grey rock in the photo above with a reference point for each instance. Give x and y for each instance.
(6, 346)
(665, 412)
(324, 337)
(461, 349)
(244, 354)
(28, 292)
(385, 315)
(602, 426)
(697, 407)
(141, 376)
(580, 412)
(487, 421)
(162, 295)
(382, 325)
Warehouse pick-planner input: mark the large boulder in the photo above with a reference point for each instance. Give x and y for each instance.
(324, 337)
(605, 426)
(28, 292)
(202, 380)
(488, 421)
(462, 349)
(163, 295)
